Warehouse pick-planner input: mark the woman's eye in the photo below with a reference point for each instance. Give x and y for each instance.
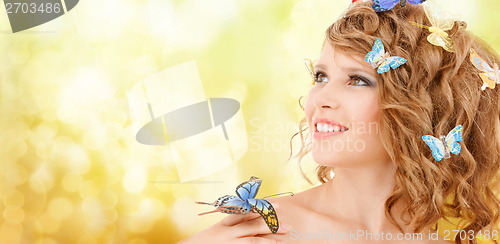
(320, 77)
(358, 81)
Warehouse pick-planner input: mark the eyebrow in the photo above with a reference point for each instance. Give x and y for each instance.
(349, 69)
(357, 69)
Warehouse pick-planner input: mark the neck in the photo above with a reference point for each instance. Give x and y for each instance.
(359, 195)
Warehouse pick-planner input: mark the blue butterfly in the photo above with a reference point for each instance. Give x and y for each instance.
(442, 147)
(379, 58)
(384, 5)
(246, 202)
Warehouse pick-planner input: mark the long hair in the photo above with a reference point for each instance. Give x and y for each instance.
(434, 91)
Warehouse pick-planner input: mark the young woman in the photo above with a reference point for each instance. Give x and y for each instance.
(366, 117)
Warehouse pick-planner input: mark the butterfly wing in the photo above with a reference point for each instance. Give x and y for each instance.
(230, 205)
(435, 145)
(391, 62)
(384, 67)
(396, 61)
(438, 17)
(376, 53)
(249, 188)
(479, 62)
(452, 138)
(489, 79)
(442, 41)
(266, 210)
(235, 205)
(384, 5)
(415, 2)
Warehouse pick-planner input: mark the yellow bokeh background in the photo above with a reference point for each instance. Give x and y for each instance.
(70, 168)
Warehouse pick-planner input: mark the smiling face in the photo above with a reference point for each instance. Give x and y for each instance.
(342, 111)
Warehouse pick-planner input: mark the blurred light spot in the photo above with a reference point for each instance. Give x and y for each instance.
(10, 232)
(96, 217)
(44, 149)
(135, 178)
(87, 240)
(183, 213)
(17, 175)
(152, 208)
(14, 214)
(46, 131)
(109, 199)
(78, 159)
(72, 182)
(96, 137)
(48, 224)
(60, 208)
(42, 179)
(137, 241)
(46, 241)
(89, 189)
(15, 200)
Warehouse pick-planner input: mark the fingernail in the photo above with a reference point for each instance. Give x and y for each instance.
(275, 205)
(285, 227)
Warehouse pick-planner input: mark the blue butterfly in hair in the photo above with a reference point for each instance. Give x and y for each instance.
(442, 147)
(379, 58)
(384, 5)
(245, 202)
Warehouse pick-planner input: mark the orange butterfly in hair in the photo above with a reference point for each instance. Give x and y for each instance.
(491, 76)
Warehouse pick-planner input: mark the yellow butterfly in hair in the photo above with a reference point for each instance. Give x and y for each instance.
(441, 22)
(491, 76)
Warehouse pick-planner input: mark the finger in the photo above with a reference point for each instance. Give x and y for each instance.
(257, 240)
(234, 219)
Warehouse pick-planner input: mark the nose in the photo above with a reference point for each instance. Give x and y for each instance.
(326, 97)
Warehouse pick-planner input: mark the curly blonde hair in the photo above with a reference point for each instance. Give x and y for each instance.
(432, 93)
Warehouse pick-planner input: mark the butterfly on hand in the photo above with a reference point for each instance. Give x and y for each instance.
(245, 202)
(442, 147)
(441, 22)
(379, 58)
(384, 5)
(491, 76)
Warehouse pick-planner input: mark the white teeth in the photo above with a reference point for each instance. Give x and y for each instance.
(321, 127)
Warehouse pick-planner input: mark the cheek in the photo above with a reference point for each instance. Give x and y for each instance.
(308, 106)
(364, 110)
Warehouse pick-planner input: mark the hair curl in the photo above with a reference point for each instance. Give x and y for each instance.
(430, 94)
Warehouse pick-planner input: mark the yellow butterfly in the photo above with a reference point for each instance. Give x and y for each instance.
(490, 75)
(310, 67)
(441, 22)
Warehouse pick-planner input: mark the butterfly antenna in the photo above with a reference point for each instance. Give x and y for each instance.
(206, 203)
(291, 194)
(215, 211)
(419, 25)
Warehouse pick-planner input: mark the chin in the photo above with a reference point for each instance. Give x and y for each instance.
(330, 159)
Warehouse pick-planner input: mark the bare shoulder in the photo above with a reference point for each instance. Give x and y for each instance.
(297, 210)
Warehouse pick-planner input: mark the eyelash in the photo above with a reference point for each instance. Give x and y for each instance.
(352, 77)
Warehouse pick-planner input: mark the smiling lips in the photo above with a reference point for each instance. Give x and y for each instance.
(326, 127)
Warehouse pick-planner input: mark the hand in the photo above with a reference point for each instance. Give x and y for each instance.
(237, 229)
